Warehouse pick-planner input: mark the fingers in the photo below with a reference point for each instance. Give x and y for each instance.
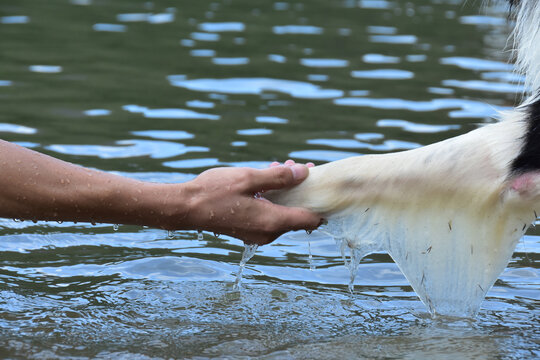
(291, 163)
(278, 177)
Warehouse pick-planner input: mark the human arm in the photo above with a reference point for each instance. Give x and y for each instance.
(35, 186)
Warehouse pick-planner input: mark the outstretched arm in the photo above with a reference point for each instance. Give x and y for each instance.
(35, 186)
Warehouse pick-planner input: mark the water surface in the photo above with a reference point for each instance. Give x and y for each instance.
(163, 90)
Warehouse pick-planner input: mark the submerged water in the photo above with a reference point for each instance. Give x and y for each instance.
(162, 90)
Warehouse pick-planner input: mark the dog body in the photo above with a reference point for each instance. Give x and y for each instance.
(450, 214)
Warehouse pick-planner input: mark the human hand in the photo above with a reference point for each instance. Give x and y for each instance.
(225, 200)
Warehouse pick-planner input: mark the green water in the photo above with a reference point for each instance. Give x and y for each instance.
(117, 100)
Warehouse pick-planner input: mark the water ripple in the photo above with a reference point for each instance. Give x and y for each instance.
(469, 108)
(128, 148)
(296, 89)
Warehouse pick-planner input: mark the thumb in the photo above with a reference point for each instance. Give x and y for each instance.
(279, 177)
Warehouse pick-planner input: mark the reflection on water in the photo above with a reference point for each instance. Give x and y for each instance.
(161, 91)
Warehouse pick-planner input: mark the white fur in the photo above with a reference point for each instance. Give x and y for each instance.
(526, 38)
(449, 214)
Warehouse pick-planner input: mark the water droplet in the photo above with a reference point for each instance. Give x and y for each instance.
(310, 257)
(249, 251)
(60, 221)
(217, 235)
(170, 234)
(309, 232)
(34, 221)
(115, 227)
(93, 223)
(17, 220)
(199, 235)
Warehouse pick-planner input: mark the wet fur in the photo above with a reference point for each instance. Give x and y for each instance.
(467, 199)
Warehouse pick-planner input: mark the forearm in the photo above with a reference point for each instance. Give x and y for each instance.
(34, 186)
(38, 187)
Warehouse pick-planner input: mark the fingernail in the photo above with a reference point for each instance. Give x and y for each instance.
(299, 171)
(289, 162)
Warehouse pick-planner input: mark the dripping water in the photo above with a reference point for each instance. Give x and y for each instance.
(199, 235)
(249, 251)
(170, 234)
(353, 260)
(115, 227)
(310, 257)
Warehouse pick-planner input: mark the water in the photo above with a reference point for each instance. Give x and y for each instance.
(121, 86)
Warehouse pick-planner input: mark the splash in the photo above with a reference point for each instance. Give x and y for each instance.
(249, 251)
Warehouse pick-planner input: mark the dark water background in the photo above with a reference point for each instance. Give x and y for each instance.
(161, 91)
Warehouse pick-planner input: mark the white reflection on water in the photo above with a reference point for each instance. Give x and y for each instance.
(297, 29)
(415, 127)
(46, 69)
(202, 36)
(296, 89)
(277, 58)
(6, 82)
(416, 57)
(132, 17)
(382, 30)
(393, 39)
(16, 19)
(109, 27)
(128, 148)
(387, 74)
(162, 18)
(485, 86)
(380, 59)
(374, 4)
(187, 42)
(222, 26)
(230, 60)
(17, 129)
(470, 63)
(505, 76)
(318, 77)
(388, 145)
(169, 113)
(440, 90)
(97, 112)
(202, 53)
(271, 120)
(192, 163)
(165, 134)
(200, 104)
(254, 132)
(482, 20)
(324, 63)
(469, 108)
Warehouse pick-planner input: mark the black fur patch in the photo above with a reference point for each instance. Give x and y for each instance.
(529, 157)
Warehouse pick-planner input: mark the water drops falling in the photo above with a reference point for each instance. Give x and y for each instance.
(60, 221)
(249, 251)
(309, 232)
(170, 234)
(115, 227)
(18, 220)
(310, 257)
(217, 235)
(199, 235)
(356, 257)
(352, 263)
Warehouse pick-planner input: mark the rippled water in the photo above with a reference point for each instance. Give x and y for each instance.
(162, 90)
